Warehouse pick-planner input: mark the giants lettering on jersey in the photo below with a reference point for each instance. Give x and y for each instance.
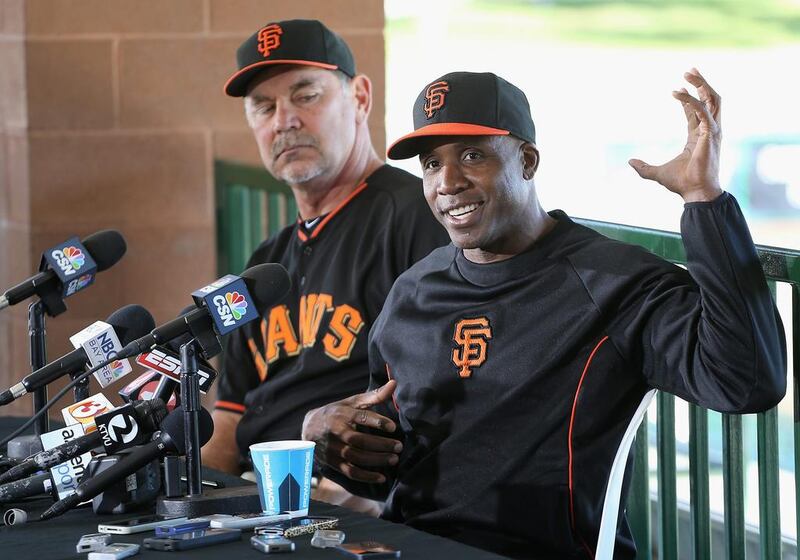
(280, 336)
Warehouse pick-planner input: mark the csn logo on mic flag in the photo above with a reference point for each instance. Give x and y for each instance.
(100, 342)
(229, 302)
(119, 429)
(72, 264)
(66, 475)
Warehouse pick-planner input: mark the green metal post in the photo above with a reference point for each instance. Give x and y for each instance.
(733, 482)
(667, 499)
(698, 482)
(768, 492)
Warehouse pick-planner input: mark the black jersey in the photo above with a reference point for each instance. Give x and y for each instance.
(311, 349)
(517, 379)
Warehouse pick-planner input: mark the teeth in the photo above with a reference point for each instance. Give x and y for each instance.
(460, 211)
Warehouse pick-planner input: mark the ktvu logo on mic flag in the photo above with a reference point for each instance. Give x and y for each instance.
(72, 264)
(229, 302)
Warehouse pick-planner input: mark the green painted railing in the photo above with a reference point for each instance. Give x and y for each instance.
(251, 205)
(780, 266)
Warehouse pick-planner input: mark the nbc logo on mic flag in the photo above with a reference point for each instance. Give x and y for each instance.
(237, 304)
(75, 256)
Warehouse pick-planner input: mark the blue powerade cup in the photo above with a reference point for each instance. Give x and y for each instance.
(283, 473)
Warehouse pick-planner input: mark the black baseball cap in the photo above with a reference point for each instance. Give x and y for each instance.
(467, 104)
(306, 42)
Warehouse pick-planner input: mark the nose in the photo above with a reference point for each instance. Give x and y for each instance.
(453, 180)
(285, 117)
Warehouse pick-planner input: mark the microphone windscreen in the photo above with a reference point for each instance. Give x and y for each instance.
(106, 248)
(176, 343)
(173, 427)
(131, 322)
(267, 284)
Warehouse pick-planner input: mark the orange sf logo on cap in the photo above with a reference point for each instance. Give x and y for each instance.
(269, 39)
(434, 96)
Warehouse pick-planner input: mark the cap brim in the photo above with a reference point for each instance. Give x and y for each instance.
(409, 145)
(236, 86)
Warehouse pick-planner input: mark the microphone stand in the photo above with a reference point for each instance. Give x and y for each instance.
(190, 400)
(238, 499)
(38, 348)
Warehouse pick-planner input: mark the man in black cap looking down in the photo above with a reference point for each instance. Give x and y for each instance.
(361, 223)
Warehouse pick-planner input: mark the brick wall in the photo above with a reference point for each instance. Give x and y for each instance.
(111, 114)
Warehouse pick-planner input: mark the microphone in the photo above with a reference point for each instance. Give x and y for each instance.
(123, 427)
(104, 249)
(267, 284)
(125, 324)
(32, 486)
(170, 440)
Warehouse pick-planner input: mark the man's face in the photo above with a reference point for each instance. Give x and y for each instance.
(475, 188)
(304, 122)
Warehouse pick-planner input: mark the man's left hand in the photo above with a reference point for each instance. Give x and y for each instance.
(694, 173)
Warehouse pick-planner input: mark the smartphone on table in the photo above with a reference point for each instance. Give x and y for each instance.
(194, 539)
(243, 521)
(270, 544)
(138, 524)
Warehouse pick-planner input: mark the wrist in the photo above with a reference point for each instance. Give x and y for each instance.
(702, 195)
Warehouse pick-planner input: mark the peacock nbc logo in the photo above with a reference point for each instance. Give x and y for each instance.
(69, 259)
(117, 368)
(75, 256)
(231, 307)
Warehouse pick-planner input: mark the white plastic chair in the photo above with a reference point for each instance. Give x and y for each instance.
(608, 524)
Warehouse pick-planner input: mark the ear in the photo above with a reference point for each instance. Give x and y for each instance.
(362, 92)
(530, 160)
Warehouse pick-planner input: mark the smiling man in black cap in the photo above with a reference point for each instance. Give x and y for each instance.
(507, 366)
(361, 224)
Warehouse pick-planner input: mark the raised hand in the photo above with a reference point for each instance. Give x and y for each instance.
(694, 173)
(341, 446)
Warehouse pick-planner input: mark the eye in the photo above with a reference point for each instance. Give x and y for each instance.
(430, 163)
(307, 97)
(472, 155)
(264, 108)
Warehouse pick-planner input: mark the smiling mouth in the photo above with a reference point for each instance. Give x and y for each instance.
(462, 211)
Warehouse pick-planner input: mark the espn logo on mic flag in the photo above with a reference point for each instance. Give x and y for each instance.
(100, 342)
(229, 302)
(83, 412)
(72, 264)
(168, 363)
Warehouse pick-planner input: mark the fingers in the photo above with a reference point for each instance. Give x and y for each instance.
(700, 109)
(645, 170)
(708, 96)
(355, 453)
(692, 119)
(371, 398)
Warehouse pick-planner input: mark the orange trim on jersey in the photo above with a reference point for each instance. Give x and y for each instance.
(569, 442)
(326, 219)
(230, 406)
